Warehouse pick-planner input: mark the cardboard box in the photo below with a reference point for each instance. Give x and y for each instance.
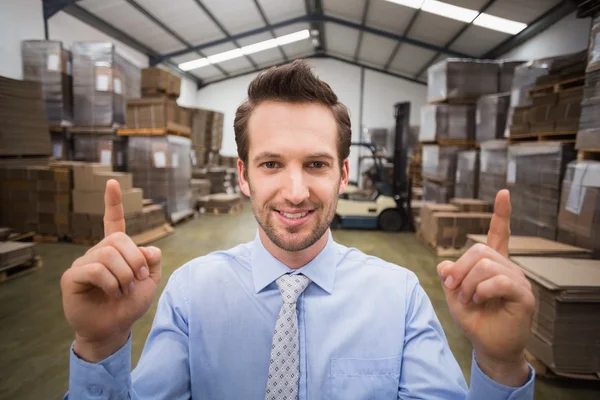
(451, 229)
(535, 246)
(472, 205)
(461, 78)
(100, 178)
(83, 175)
(93, 202)
(157, 80)
(565, 327)
(447, 122)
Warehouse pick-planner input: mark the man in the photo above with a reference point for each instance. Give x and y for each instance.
(293, 315)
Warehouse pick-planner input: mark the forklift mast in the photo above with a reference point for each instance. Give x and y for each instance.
(400, 187)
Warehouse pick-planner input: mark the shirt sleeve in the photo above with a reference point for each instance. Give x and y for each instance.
(429, 369)
(163, 369)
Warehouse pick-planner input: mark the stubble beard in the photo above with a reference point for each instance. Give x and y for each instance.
(292, 239)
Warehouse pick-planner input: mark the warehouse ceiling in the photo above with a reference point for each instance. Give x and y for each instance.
(211, 39)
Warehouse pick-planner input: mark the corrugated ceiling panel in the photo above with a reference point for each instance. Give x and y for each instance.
(389, 16)
(185, 18)
(375, 49)
(185, 58)
(519, 10)
(410, 59)
(434, 29)
(472, 4)
(236, 16)
(126, 18)
(281, 10)
(341, 39)
(478, 41)
(349, 10)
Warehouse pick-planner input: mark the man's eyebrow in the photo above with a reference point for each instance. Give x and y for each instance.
(266, 154)
(321, 155)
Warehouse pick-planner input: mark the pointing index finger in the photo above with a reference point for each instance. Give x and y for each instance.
(114, 215)
(499, 232)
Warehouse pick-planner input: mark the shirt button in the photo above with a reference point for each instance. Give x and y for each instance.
(95, 390)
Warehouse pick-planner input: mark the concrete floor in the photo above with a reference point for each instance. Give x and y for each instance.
(35, 338)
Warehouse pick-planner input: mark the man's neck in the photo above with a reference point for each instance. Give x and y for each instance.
(293, 259)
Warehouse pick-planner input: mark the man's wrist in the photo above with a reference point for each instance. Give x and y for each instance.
(98, 350)
(508, 373)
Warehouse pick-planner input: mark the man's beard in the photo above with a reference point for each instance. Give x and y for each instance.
(265, 218)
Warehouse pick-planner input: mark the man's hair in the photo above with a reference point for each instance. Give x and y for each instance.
(291, 83)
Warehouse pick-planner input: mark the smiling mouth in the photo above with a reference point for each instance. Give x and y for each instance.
(296, 215)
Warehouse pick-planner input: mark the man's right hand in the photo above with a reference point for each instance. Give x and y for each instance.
(110, 287)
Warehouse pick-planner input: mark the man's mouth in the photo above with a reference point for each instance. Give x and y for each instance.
(294, 217)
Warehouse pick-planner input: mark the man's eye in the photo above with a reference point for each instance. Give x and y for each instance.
(270, 164)
(317, 164)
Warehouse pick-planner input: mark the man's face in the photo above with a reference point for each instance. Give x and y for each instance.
(293, 171)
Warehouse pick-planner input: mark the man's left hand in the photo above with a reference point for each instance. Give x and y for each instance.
(491, 299)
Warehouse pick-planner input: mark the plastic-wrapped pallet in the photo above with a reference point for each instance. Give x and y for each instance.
(98, 85)
(439, 162)
(579, 216)
(491, 116)
(588, 135)
(437, 192)
(133, 78)
(467, 175)
(107, 149)
(456, 78)
(535, 172)
(162, 167)
(46, 61)
(492, 169)
(507, 74)
(447, 122)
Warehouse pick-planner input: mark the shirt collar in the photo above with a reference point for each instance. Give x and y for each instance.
(266, 268)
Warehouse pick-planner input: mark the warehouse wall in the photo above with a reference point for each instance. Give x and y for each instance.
(380, 93)
(569, 35)
(19, 20)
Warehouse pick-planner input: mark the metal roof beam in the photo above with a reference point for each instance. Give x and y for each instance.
(88, 18)
(170, 31)
(268, 25)
(214, 19)
(547, 19)
(350, 62)
(362, 24)
(313, 19)
(399, 44)
(455, 38)
(314, 13)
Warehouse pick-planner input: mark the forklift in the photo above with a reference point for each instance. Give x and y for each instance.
(388, 207)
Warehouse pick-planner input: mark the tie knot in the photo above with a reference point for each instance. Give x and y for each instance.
(292, 286)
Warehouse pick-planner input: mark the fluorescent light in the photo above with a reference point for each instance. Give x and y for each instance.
(449, 11)
(293, 37)
(464, 15)
(227, 55)
(199, 63)
(250, 49)
(261, 46)
(409, 3)
(499, 24)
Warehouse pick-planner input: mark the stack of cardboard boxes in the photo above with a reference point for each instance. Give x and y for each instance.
(439, 171)
(467, 175)
(207, 136)
(566, 327)
(491, 115)
(447, 225)
(535, 172)
(492, 169)
(47, 62)
(588, 136)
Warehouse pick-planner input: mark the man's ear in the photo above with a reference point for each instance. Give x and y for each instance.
(345, 176)
(244, 186)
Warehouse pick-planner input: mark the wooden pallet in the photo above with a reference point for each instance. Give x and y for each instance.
(465, 101)
(17, 271)
(178, 219)
(564, 136)
(556, 87)
(155, 92)
(235, 209)
(46, 239)
(542, 370)
(588, 154)
(453, 142)
(152, 132)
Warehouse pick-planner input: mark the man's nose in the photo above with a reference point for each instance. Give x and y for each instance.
(295, 189)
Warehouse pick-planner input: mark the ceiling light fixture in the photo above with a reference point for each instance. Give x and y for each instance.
(464, 15)
(246, 50)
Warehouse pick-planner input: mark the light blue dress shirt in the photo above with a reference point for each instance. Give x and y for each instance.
(367, 330)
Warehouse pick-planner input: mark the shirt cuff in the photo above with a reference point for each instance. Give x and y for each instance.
(483, 387)
(108, 379)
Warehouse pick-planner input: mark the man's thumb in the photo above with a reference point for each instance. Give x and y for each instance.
(153, 256)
